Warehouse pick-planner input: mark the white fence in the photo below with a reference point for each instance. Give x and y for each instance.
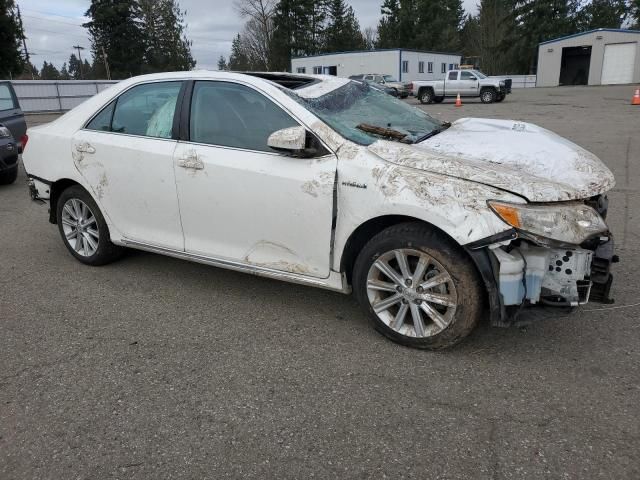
(56, 95)
(519, 81)
(62, 95)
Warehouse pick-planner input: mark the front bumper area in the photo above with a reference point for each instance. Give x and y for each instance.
(8, 155)
(518, 273)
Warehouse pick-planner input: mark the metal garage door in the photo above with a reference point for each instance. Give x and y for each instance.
(619, 62)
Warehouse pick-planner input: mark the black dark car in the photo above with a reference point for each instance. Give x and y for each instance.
(13, 133)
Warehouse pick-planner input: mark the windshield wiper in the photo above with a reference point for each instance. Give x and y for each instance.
(432, 133)
(382, 131)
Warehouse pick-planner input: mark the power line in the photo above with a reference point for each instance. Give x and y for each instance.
(55, 21)
(50, 14)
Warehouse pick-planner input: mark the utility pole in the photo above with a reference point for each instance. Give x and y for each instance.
(106, 64)
(78, 47)
(24, 43)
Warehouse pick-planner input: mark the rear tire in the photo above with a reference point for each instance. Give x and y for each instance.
(438, 99)
(83, 228)
(425, 96)
(436, 279)
(8, 176)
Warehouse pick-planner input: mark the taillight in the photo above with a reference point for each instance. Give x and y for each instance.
(23, 141)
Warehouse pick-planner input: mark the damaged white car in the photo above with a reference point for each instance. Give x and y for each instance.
(330, 183)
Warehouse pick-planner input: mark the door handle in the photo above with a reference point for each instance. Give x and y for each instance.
(190, 160)
(85, 147)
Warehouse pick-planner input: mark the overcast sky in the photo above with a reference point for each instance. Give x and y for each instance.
(54, 27)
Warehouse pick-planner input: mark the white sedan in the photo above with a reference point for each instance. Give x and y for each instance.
(331, 183)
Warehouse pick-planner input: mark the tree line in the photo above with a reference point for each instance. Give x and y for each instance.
(131, 37)
(128, 37)
(502, 37)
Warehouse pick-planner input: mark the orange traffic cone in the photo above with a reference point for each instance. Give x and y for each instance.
(636, 97)
(458, 101)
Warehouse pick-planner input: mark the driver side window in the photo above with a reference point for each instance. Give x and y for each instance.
(232, 115)
(467, 76)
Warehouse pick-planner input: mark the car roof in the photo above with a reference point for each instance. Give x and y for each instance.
(305, 85)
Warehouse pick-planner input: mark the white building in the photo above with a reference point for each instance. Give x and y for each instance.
(599, 57)
(404, 65)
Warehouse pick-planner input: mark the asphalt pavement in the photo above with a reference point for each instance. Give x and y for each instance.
(154, 367)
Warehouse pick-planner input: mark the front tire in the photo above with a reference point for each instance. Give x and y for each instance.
(417, 287)
(83, 228)
(488, 96)
(500, 97)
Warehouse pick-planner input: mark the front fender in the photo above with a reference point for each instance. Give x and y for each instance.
(457, 207)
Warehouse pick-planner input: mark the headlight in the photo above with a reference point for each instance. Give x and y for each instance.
(4, 132)
(502, 83)
(569, 222)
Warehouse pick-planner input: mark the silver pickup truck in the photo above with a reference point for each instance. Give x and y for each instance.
(467, 83)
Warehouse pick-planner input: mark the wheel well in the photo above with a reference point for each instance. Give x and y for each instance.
(483, 89)
(56, 190)
(361, 235)
(422, 89)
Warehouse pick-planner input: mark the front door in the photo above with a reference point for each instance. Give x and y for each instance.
(125, 154)
(241, 201)
(468, 84)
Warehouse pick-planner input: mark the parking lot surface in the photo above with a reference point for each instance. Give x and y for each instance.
(153, 367)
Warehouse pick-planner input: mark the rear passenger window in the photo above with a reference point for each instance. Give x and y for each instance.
(6, 99)
(232, 115)
(145, 110)
(453, 75)
(102, 121)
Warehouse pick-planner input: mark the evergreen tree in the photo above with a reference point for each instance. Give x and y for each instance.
(64, 72)
(87, 71)
(115, 25)
(438, 25)
(298, 28)
(222, 63)
(49, 72)
(74, 67)
(166, 46)
(497, 42)
(11, 34)
(238, 60)
(421, 24)
(342, 32)
(634, 12)
(535, 21)
(603, 14)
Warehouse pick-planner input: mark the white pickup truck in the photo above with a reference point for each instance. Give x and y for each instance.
(467, 83)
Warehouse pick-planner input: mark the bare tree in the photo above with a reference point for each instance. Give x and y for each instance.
(258, 30)
(370, 35)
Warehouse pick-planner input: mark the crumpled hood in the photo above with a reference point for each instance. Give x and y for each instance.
(514, 156)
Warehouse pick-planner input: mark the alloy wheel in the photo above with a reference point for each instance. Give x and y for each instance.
(80, 227)
(412, 293)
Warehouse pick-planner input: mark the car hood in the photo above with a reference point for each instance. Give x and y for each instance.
(518, 157)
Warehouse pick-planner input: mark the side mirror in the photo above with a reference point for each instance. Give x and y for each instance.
(472, 78)
(297, 142)
(291, 139)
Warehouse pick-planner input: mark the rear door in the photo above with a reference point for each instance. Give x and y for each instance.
(10, 114)
(451, 83)
(241, 201)
(125, 154)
